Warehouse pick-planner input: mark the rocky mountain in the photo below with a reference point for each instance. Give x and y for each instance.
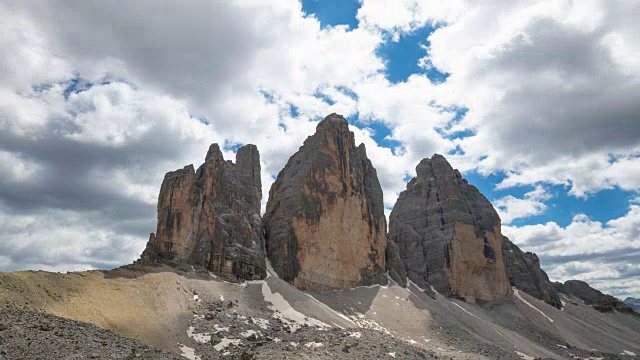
(633, 303)
(590, 296)
(211, 217)
(324, 223)
(524, 272)
(448, 235)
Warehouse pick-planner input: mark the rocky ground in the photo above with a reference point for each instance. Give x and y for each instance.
(30, 335)
(221, 331)
(199, 316)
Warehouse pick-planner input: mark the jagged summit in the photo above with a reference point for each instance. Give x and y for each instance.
(324, 224)
(448, 234)
(211, 217)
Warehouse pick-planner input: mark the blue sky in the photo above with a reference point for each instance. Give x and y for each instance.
(538, 108)
(402, 58)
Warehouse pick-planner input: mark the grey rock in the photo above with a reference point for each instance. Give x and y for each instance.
(448, 235)
(590, 296)
(77, 340)
(524, 272)
(395, 265)
(324, 224)
(211, 217)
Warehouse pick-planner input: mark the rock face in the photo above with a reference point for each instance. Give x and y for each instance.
(324, 225)
(211, 217)
(448, 234)
(524, 272)
(598, 300)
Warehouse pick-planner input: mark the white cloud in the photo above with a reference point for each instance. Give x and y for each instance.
(551, 88)
(510, 208)
(605, 255)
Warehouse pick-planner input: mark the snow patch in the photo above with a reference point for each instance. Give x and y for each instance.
(562, 346)
(221, 298)
(287, 314)
(270, 271)
(262, 323)
(392, 354)
(356, 335)
(517, 294)
(226, 342)
(220, 328)
(627, 352)
(465, 310)
(361, 321)
(196, 298)
(246, 334)
(311, 344)
(201, 338)
(524, 356)
(188, 352)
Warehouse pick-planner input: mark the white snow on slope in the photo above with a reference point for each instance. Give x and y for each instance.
(465, 310)
(286, 313)
(246, 334)
(517, 294)
(201, 338)
(188, 352)
(525, 356)
(262, 323)
(226, 342)
(311, 344)
(627, 352)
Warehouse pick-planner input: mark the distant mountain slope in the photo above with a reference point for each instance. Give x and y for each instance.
(633, 303)
(599, 301)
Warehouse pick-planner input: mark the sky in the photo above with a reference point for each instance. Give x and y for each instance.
(537, 103)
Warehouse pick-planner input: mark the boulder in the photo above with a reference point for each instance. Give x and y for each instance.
(324, 223)
(211, 217)
(448, 235)
(524, 272)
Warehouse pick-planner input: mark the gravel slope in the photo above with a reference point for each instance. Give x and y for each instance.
(199, 316)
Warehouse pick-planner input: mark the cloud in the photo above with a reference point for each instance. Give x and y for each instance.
(510, 208)
(99, 100)
(605, 255)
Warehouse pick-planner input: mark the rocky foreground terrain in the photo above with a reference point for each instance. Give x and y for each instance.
(198, 316)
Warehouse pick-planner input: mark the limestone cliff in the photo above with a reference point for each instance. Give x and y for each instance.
(324, 224)
(448, 234)
(211, 217)
(524, 272)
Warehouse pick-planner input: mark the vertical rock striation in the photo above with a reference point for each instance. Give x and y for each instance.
(324, 225)
(524, 272)
(448, 234)
(211, 217)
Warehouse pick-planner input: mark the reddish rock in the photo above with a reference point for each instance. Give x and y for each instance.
(324, 225)
(211, 217)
